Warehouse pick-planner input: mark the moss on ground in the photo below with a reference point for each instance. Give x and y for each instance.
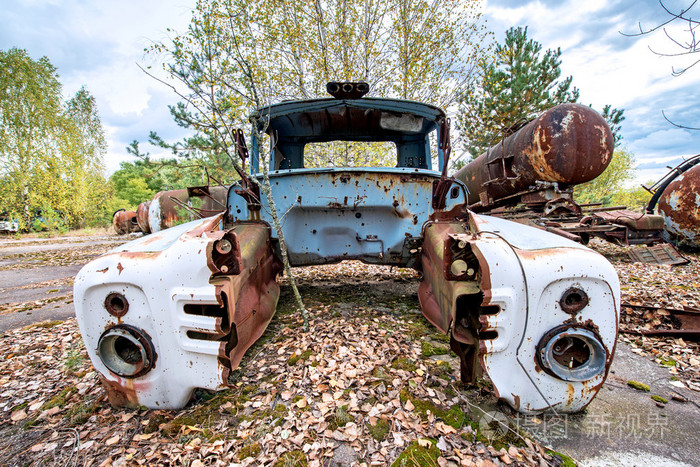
(302, 356)
(59, 400)
(47, 324)
(418, 454)
(638, 386)
(403, 363)
(454, 416)
(380, 373)
(380, 430)
(82, 412)
(295, 458)
(564, 460)
(249, 450)
(154, 423)
(428, 349)
(205, 413)
(663, 400)
(340, 418)
(419, 328)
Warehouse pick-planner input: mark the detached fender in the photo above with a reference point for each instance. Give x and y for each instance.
(538, 313)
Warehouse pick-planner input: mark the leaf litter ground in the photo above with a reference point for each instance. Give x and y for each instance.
(371, 380)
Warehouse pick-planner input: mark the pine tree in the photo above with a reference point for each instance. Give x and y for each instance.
(520, 83)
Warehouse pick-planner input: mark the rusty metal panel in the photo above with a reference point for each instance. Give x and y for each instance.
(685, 323)
(125, 222)
(658, 254)
(183, 329)
(631, 219)
(142, 217)
(541, 324)
(170, 208)
(369, 214)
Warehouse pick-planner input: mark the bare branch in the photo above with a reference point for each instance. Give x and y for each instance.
(674, 72)
(676, 124)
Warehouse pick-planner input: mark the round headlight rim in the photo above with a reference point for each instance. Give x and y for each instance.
(594, 367)
(136, 336)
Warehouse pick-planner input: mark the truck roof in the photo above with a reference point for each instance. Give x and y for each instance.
(296, 123)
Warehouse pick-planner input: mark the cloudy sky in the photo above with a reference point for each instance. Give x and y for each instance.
(98, 43)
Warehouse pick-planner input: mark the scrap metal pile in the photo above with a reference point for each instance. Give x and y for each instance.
(536, 312)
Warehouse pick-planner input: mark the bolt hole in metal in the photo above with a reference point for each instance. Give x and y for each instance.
(572, 354)
(125, 351)
(116, 304)
(573, 300)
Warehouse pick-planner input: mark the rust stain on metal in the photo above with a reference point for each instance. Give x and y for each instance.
(680, 205)
(142, 217)
(121, 393)
(125, 222)
(249, 295)
(658, 254)
(685, 322)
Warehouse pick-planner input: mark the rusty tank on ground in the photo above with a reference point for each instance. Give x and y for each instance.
(124, 222)
(566, 145)
(170, 208)
(679, 203)
(530, 175)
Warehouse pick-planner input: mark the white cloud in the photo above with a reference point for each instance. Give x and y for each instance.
(98, 44)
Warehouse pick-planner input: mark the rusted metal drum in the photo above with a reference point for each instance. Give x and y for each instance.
(142, 217)
(679, 204)
(568, 144)
(170, 208)
(124, 222)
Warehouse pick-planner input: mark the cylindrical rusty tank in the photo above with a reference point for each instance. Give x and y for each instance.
(170, 208)
(142, 217)
(679, 204)
(124, 222)
(568, 144)
(167, 208)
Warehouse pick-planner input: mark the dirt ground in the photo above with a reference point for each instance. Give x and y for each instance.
(372, 382)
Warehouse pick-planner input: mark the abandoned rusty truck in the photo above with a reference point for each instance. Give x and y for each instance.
(538, 313)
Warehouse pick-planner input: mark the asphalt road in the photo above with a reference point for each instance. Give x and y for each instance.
(30, 291)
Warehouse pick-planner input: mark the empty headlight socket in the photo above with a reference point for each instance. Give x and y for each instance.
(126, 351)
(573, 300)
(116, 304)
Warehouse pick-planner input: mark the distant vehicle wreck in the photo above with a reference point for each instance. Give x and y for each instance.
(7, 225)
(177, 310)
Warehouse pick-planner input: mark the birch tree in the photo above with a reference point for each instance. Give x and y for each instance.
(30, 110)
(51, 151)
